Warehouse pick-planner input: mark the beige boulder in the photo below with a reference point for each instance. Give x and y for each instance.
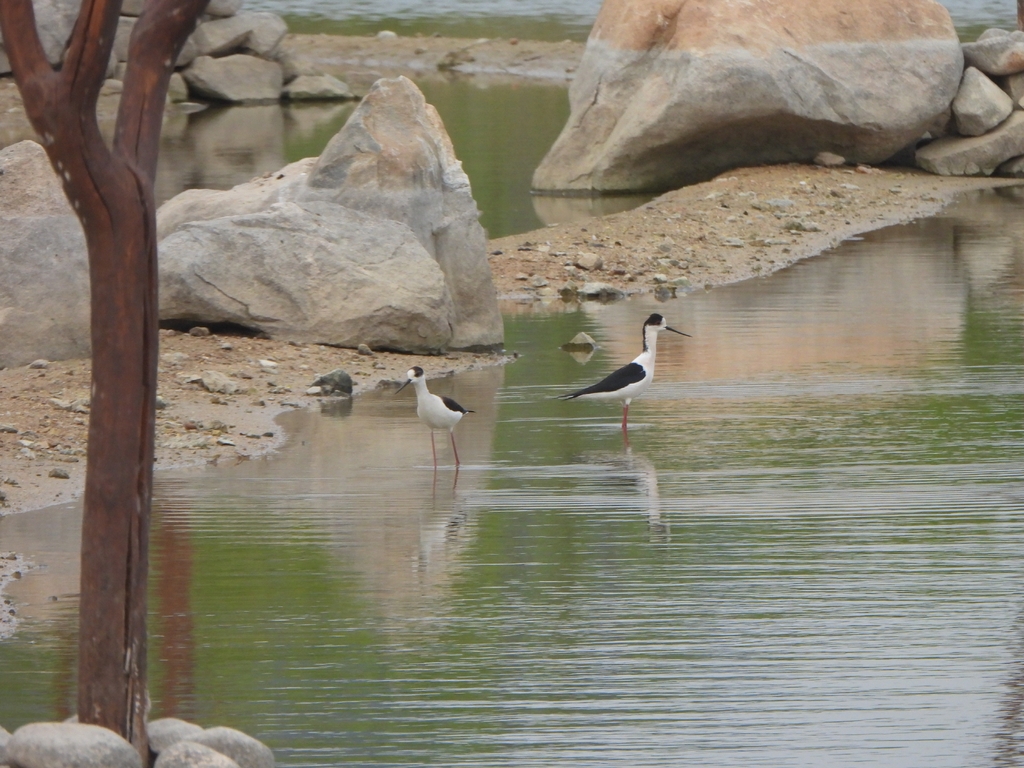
(394, 159)
(671, 92)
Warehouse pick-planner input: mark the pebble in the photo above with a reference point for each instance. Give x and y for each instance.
(199, 330)
(39, 363)
(60, 474)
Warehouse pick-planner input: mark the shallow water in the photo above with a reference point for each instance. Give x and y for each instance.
(809, 554)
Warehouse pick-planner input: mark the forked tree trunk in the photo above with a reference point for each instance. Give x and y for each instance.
(111, 190)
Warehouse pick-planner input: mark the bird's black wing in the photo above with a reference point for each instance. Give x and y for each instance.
(627, 374)
(451, 405)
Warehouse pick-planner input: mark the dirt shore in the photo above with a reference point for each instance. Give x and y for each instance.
(749, 222)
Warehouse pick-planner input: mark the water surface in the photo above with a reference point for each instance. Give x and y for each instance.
(808, 555)
(529, 19)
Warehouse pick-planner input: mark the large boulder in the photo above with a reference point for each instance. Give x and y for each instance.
(394, 162)
(44, 265)
(974, 155)
(236, 78)
(310, 272)
(671, 92)
(393, 158)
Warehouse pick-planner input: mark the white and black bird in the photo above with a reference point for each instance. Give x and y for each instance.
(631, 380)
(434, 411)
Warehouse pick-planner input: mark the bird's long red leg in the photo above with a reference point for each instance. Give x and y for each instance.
(456, 450)
(625, 414)
(433, 449)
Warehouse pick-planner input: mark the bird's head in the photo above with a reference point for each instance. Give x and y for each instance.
(413, 374)
(657, 323)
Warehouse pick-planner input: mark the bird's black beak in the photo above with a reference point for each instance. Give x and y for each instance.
(679, 332)
(402, 387)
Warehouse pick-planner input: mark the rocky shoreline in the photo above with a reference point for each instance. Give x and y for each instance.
(746, 223)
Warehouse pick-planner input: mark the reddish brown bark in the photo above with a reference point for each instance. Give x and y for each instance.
(111, 190)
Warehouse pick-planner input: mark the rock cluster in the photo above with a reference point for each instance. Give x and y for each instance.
(233, 55)
(983, 131)
(176, 744)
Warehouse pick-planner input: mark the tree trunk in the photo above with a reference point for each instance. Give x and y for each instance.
(111, 190)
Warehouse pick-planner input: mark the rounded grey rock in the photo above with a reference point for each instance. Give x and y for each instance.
(189, 754)
(70, 745)
(240, 747)
(166, 731)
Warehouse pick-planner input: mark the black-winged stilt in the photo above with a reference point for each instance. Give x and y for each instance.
(631, 380)
(434, 411)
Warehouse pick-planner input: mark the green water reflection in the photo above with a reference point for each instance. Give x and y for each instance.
(810, 555)
(499, 131)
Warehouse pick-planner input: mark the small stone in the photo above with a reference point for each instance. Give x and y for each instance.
(538, 282)
(602, 291)
(268, 365)
(199, 330)
(39, 363)
(60, 474)
(9, 429)
(589, 261)
(829, 160)
(214, 381)
(314, 391)
(386, 34)
(224, 441)
(363, 349)
(161, 403)
(733, 242)
(337, 382)
(317, 88)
